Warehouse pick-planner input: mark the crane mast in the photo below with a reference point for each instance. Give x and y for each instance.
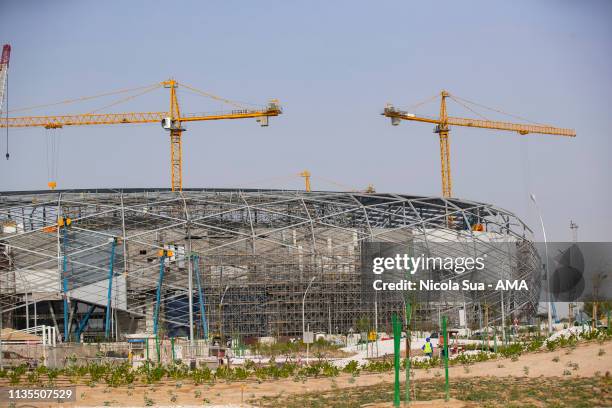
(442, 130)
(173, 125)
(4, 64)
(306, 175)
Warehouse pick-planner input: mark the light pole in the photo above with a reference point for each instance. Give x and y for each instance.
(549, 306)
(303, 303)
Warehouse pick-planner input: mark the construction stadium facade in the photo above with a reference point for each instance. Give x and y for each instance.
(100, 262)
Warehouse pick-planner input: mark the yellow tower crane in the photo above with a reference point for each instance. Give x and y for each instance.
(172, 121)
(442, 128)
(306, 174)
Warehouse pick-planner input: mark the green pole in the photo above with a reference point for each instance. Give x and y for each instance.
(609, 328)
(408, 340)
(147, 341)
(495, 340)
(446, 386)
(172, 346)
(157, 348)
(397, 334)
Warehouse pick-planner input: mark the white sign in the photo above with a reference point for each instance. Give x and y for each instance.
(308, 337)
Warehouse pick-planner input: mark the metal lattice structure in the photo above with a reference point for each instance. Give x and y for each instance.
(257, 251)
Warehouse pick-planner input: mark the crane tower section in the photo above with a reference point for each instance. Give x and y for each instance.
(4, 63)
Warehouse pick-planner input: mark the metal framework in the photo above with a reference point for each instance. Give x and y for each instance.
(254, 253)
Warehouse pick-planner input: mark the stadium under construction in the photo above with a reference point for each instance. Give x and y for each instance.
(250, 263)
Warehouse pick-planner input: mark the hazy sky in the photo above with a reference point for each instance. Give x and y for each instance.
(334, 66)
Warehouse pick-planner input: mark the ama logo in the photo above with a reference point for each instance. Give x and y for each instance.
(567, 281)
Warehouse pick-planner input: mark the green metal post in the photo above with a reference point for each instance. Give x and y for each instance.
(172, 346)
(446, 386)
(408, 341)
(147, 342)
(397, 334)
(482, 343)
(609, 328)
(495, 340)
(157, 348)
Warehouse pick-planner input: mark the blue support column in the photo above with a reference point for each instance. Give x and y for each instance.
(162, 261)
(196, 260)
(83, 323)
(110, 289)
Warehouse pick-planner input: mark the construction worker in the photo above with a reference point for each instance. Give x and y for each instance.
(428, 348)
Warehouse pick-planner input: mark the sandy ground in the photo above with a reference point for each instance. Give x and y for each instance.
(451, 403)
(586, 356)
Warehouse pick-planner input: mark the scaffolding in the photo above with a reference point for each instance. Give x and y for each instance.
(255, 252)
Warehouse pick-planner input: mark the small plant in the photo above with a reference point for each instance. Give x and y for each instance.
(555, 359)
(351, 380)
(466, 368)
(173, 398)
(15, 375)
(601, 352)
(197, 394)
(148, 401)
(52, 374)
(567, 372)
(500, 365)
(33, 377)
(526, 370)
(438, 374)
(352, 367)
(514, 358)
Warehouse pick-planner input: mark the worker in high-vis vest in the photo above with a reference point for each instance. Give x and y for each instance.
(428, 348)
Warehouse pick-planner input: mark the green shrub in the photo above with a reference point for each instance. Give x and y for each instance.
(352, 367)
(380, 366)
(202, 375)
(515, 349)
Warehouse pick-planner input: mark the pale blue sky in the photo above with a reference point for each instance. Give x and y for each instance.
(333, 65)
